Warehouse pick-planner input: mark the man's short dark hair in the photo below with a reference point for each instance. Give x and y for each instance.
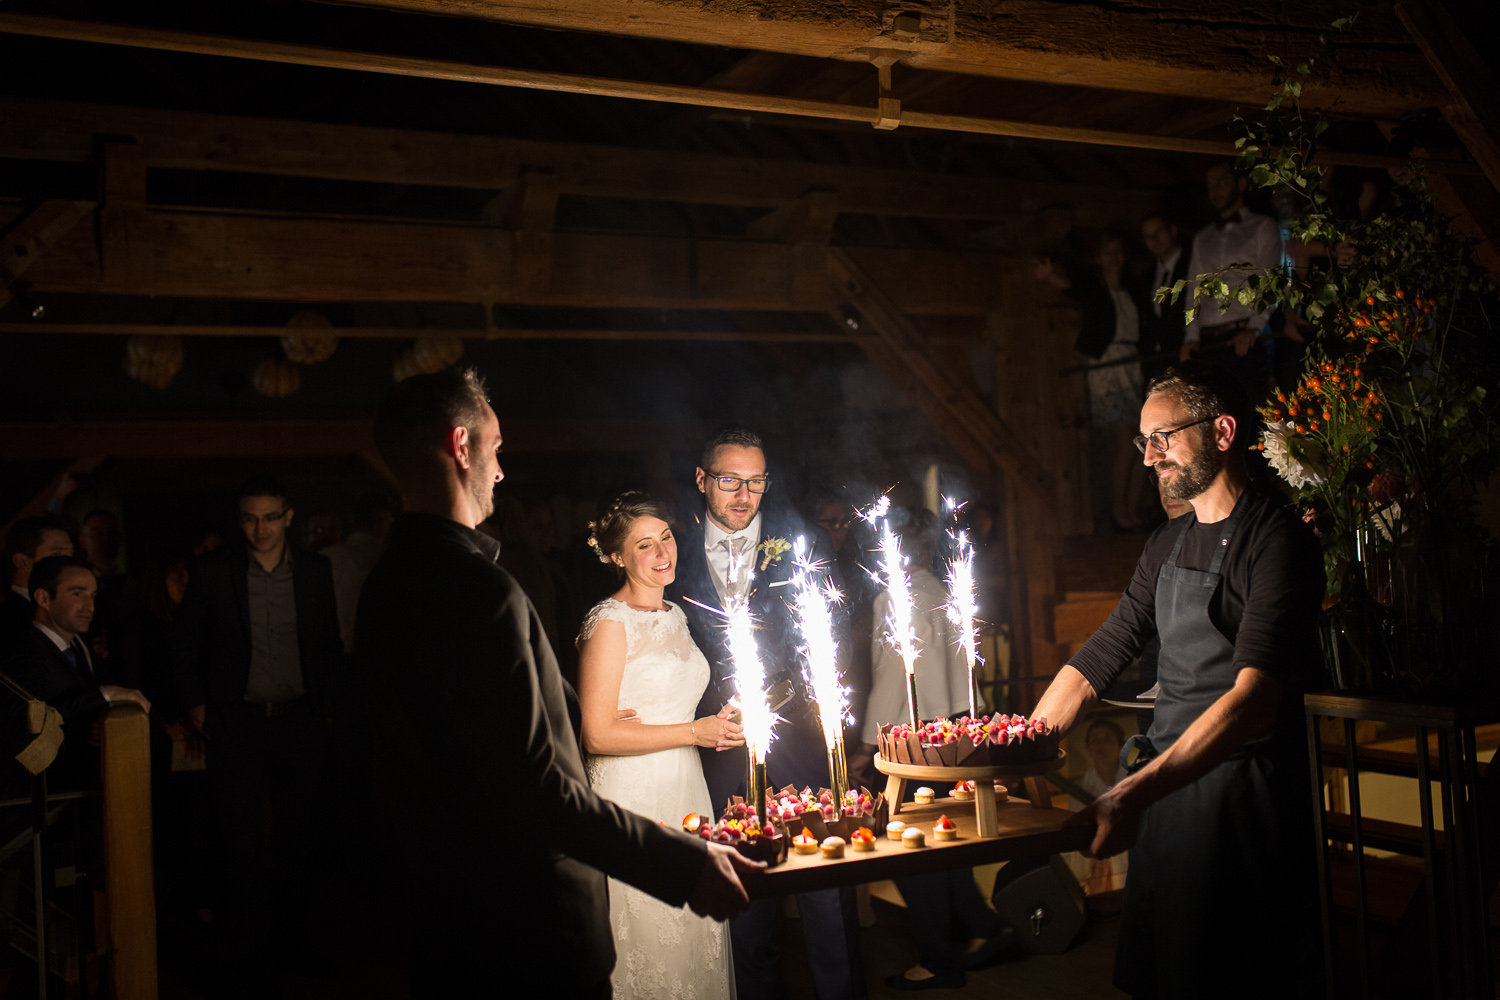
(739, 437)
(1206, 390)
(1157, 213)
(262, 486)
(419, 411)
(48, 572)
(25, 537)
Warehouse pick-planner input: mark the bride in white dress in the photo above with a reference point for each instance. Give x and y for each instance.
(640, 678)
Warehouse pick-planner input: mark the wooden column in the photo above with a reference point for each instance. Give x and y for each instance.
(130, 897)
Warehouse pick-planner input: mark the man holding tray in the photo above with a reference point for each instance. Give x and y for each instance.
(1221, 896)
(505, 847)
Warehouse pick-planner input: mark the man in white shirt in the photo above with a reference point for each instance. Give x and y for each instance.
(1237, 236)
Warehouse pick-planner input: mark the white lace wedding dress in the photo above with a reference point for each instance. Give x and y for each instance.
(663, 952)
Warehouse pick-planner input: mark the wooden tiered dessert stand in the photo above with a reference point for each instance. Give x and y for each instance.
(985, 779)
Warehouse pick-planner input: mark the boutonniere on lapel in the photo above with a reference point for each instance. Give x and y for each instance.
(771, 551)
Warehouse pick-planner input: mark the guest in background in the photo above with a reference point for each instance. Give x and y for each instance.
(29, 540)
(100, 539)
(1237, 235)
(255, 649)
(1110, 336)
(1163, 324)
(942, 674)
(324, 529)
(1104, 740)
(352, 559)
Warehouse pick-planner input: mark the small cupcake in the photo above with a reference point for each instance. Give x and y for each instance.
(944, 829)
(803, 844)
(912, 837)
(833, 847)
(964, 791)
(894, 829)
(862, 840)
(925, 796)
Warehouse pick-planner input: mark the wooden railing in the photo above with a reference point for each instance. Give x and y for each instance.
(130, 899)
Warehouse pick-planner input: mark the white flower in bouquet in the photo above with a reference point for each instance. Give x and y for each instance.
(1294, 458)
(1388, 521)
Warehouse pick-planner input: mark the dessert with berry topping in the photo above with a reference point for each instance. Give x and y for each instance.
(985, 741)
(964, 791)
(944, 829)
(862, 840)
(803, 844)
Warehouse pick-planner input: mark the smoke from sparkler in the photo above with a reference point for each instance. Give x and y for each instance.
(963, 603)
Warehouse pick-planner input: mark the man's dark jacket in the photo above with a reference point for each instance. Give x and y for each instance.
(211, 631)
(36, 664)
(1163, 334)
(477, 758)
(799, 755)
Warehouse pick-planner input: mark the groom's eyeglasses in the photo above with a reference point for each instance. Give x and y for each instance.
(732, 484)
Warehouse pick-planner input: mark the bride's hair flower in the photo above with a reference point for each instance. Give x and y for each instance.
(1293, 456)
(593, 541)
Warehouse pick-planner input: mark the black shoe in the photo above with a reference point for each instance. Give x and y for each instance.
(951, 981)
(991, 949)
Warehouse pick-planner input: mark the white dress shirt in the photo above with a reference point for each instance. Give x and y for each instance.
(1256, 240)
(745, 542)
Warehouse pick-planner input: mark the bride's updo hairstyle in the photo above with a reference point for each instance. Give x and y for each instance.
(609, 534)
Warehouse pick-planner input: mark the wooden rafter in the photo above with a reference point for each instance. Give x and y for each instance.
(201, 254)
(1475, 111)
(887, 114)
(63, 131)
(1212, 48)
(31, 237)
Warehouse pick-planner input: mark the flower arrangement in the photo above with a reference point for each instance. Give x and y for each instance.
(1391, 427)
(771, 551)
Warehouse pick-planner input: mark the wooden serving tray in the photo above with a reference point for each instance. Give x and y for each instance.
(1023, 830)
(984, 778)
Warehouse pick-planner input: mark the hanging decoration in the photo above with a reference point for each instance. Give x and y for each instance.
(309, 343)
(153, 361)
(275, 378)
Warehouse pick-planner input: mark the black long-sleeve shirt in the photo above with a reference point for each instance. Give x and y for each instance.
(1267, 604)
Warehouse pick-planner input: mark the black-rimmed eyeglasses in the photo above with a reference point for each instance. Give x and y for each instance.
(732, 484)
(1162, 440)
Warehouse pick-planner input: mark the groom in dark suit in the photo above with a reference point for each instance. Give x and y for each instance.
(503, 844)
(734, 549)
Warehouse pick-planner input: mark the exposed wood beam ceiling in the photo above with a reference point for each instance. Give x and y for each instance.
(1212, 48)
(65, 132)
(442, 69)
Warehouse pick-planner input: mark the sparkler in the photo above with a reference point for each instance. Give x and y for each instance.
(815, 622)
(963, 603)
(750, 680)
(903, 635)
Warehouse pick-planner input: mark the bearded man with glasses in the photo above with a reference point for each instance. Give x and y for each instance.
(736, 548)
(1221, 898)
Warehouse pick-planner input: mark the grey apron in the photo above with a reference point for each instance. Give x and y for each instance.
(1217, 901)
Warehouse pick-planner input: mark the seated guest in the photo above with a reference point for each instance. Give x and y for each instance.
(28, 540)
(52, 663)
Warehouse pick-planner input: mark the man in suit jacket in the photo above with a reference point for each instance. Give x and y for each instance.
(28, 540)
(255, 648)
(726, 551)
(1163, 323)
(51, 661)
(503, 844)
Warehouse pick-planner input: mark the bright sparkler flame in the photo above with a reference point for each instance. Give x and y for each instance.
(903, 634)
(756, 717)
(815, 622)
(963, 606)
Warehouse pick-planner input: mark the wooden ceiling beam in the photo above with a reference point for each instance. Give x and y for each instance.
(31, 237)
(203, 254)
(293, 53)
(63, 131)
(159, 439)
(1475, 113)
(1213, 48)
